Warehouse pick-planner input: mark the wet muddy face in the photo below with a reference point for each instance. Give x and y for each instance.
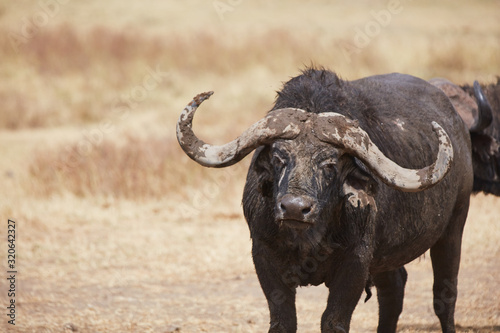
(305, 173)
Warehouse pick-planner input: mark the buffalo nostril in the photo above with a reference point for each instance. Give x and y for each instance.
(295, 207)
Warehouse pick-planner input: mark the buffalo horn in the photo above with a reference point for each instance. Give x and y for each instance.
(265, 131)
(485, 115)
(338, 130)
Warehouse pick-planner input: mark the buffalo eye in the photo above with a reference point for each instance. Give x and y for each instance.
(279, 162)
(329, 166)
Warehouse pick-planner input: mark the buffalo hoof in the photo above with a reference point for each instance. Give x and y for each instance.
(334, 329)
(278, 328)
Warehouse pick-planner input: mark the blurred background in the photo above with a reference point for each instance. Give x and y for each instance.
(118, 230)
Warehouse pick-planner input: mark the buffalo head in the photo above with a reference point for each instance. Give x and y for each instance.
(479, 107)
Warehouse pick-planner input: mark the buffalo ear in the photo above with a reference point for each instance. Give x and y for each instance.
(463, 103)
(359, 187)
(262, 166)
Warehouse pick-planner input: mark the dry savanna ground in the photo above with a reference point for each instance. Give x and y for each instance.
(117, 230)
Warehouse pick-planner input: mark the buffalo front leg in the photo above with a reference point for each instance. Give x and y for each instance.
(390, 293)
(345, 288)
(280, 296)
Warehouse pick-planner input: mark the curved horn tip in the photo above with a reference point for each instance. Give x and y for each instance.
(198, 99)
(436, 126)
(476, 85)
(478, 92)
(444, 139)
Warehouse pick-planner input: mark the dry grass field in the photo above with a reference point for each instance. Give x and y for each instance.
(118, 231)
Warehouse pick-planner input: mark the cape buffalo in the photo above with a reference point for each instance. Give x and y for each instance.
(479, 107)
(350, 181)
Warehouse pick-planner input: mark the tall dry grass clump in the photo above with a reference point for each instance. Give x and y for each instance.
(137, 168)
